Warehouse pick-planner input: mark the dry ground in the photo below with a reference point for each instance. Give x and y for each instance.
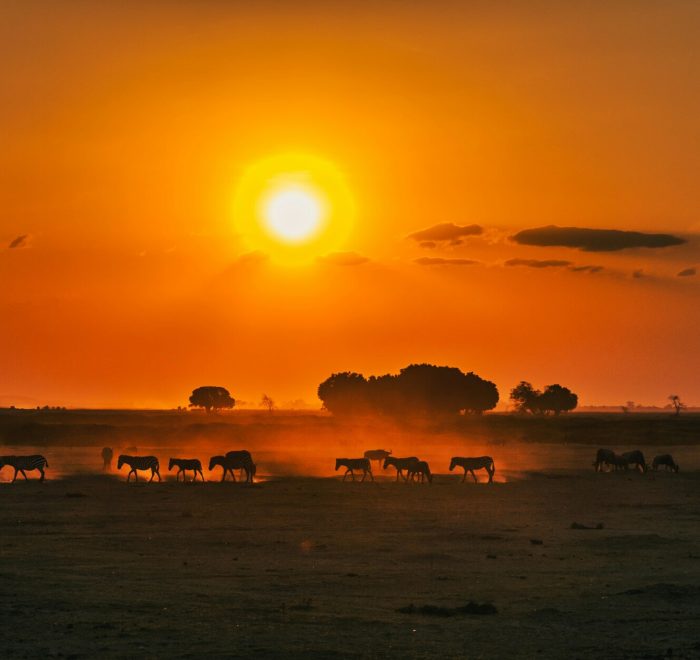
(313, 567)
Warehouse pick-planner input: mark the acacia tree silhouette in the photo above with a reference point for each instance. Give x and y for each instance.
(267, 402)
(417, 390)
(555, 399)
(526, 398)
(211, 397)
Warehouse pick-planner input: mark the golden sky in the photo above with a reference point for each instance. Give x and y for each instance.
(127, 128)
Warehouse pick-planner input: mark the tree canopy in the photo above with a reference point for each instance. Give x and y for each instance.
(211, 397)
(417, 390)
(555, 399)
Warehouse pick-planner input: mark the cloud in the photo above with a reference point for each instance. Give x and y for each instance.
(19, 242)
(586, 269)
(254, 257)
(344, 259)
(538, 263)
(439, 261)
(638, 274)
(445, 232)
(593, 240)
(688, 272)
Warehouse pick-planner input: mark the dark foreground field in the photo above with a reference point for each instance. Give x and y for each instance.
(312, 567)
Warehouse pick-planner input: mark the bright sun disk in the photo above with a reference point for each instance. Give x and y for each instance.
(293, 213)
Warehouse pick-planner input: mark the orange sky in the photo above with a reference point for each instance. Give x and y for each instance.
(125, 128)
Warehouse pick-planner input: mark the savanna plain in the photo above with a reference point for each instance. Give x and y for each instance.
(299, 564)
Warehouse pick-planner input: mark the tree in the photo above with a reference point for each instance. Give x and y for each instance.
(211, 397)
(676, 402)
(267, 402)
(557, 399)
(525, 398)
(344, 393)
(417, 390)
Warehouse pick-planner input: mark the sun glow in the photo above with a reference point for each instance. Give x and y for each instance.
(294, 207)
(293, 213)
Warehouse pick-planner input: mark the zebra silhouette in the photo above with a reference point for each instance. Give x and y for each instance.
(139, 463)
(22, 463)
(420, 470)
(469, 464)
(351, 464)
(400, 464)
(184, 464)
(235, 460)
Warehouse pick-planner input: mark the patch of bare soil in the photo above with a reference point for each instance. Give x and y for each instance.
(311, 567)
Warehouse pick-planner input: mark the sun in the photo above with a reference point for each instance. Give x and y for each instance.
(293, 213)
(294, 207)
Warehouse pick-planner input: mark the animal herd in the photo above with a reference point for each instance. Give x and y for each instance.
(408, 469)
(607, 458)
(414, 468)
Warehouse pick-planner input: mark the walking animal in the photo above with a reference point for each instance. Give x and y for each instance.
(422, 470)
(377, 455)
(139, 463)
(22, 463)
(235, 460)
(355, 464)
(400, 464)
(471, 464)
(635, 458)
(618, 462)
(666, 460)
(603, 457)
(184, 464)
(107, 456)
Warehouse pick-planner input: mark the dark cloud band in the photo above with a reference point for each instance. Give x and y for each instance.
(538, 263)
(593, 240)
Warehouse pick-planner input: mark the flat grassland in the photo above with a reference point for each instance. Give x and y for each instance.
(309, 566)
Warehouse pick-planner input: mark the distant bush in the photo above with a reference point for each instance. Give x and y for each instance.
(417, 390)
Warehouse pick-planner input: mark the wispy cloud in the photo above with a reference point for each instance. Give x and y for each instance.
(688, 272)
(593, 240)
(19, 242)
(445, 233)
(344, 259)
(538, 263)
(440, 261)
(586, 269)
(254, 257)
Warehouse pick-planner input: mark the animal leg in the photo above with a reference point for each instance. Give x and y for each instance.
(464, 478)
(42, 474)
(473, 475)
(15, 477)
(371, 475)
(24, 474)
